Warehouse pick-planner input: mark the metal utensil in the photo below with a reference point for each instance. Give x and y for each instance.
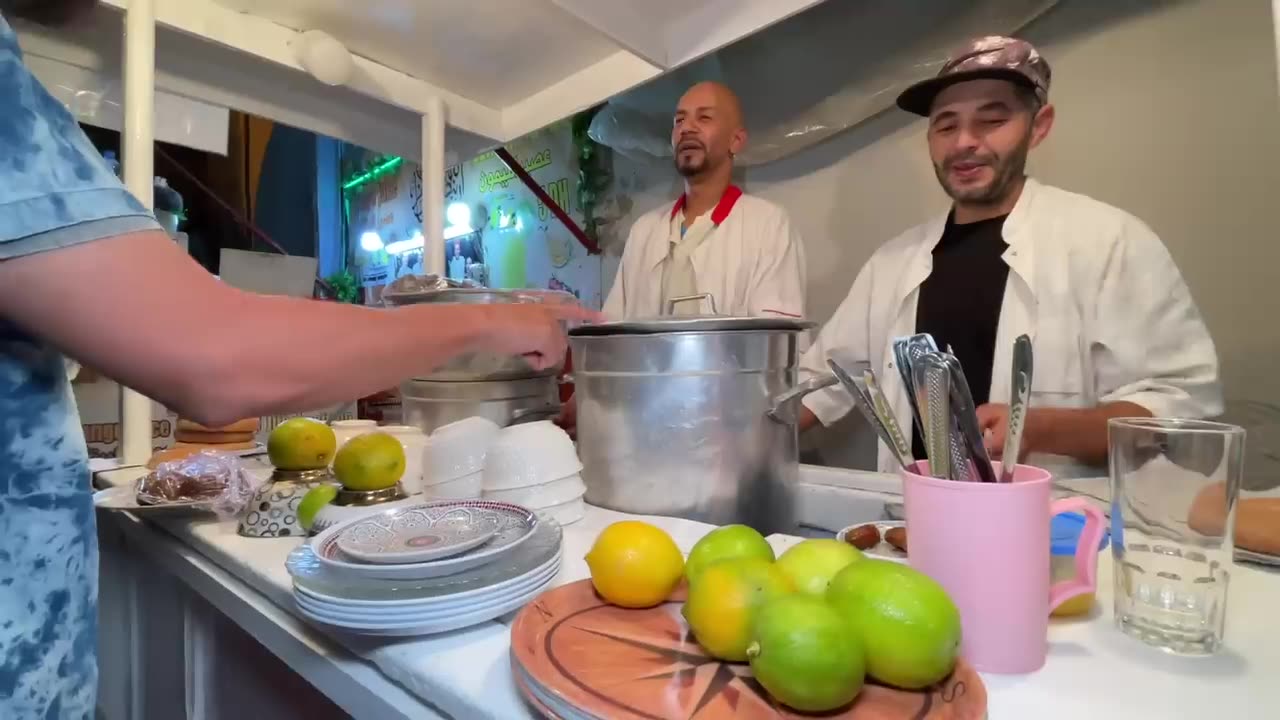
(862, 400)
(961, 462)
(903, 361)
(907, 351)
(881, 403)
(933, 391)
(1019, 401)
(966, 419)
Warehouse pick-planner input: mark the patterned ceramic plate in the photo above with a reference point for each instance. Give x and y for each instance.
(574, 656)
(420, 534)
(336, 577)
(513, 525)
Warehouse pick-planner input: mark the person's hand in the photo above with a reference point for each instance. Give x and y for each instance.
(535, 331)
(568, 417)
(993, 421)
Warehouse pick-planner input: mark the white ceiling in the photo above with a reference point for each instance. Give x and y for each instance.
(503, 68)
(491, 51)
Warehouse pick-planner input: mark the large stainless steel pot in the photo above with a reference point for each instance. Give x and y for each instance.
(692, 417)
(474, 367)
(428, 404)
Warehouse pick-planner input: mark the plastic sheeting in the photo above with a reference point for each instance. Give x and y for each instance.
(816, 74)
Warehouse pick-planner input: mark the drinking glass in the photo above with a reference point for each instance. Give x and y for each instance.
(1174, 485)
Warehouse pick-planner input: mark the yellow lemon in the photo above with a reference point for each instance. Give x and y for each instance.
(374, 461)
(723, 601)
(301, 444)
(634, 564)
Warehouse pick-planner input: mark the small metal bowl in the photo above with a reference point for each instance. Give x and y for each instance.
(365, 498)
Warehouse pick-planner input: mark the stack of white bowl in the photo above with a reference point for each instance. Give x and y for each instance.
(535, 465)
(414, 442)
(344, 430)
(453, 458)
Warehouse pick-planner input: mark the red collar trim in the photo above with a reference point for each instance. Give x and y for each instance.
(722, 208)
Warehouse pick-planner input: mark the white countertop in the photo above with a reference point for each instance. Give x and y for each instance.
(1093, 671)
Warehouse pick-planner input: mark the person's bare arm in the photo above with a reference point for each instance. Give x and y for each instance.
(1080, 433)
(807, 419)
(138, 309)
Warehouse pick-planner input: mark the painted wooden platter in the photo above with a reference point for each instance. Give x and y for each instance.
(573, 655)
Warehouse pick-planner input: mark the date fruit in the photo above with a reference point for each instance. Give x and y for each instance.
(897, 537)
(863, 537)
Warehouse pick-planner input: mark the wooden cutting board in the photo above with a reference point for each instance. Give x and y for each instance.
(620, 664)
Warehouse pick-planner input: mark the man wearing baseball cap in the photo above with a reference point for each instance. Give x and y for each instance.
(1115, 330)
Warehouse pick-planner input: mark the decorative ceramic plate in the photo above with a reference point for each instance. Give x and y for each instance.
(323, 582)
(884, 549)
(596, 660)
(517, 525)
(420, 534)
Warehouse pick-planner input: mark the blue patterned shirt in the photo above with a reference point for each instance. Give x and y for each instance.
(55, 191)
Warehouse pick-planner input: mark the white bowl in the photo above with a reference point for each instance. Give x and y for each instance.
(530, 454)
(466, 487)
(566, 513)
(457, 450)
(414, 441)
(344, 430)
(556, 492)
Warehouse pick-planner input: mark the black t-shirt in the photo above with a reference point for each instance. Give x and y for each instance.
(960, 302)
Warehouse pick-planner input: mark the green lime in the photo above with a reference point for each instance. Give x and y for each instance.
(301, 444)
(311, 503)
(373, 461)
(906, 622)
(723, 543)
(724, 600)
(812, 563)
(805, 654)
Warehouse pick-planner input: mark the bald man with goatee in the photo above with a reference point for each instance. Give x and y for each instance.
(714, 239)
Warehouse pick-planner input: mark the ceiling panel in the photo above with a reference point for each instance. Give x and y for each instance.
(495, 52)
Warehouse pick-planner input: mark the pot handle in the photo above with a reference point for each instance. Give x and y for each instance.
(531, 414)
(671, 304)
(782, 406)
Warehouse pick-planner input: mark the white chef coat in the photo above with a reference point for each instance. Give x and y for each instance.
(1108, 313)
(752, 262)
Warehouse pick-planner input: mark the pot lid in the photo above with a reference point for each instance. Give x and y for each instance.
(456, 295)
(692, 323)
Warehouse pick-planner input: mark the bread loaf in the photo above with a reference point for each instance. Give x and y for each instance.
(250, 425)
(1257, 519)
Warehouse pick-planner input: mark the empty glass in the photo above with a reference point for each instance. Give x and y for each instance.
(1173, 493)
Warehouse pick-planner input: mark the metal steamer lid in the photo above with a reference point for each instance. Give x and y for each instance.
(692, 323)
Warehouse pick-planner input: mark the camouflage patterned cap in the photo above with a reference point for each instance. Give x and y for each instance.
(993, 56)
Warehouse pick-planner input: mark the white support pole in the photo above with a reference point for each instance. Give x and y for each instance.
(1275, 28)
(139, 178)
(433, 187)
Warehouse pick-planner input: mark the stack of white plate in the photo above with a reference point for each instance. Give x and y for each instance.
(536, 465)
(426, 568)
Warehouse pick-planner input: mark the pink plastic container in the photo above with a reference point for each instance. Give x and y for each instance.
(988, 545)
